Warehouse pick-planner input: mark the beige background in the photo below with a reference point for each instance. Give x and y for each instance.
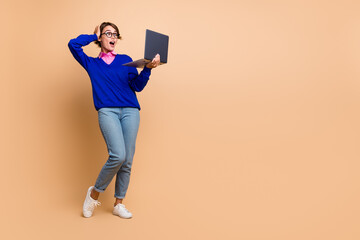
(251, 131)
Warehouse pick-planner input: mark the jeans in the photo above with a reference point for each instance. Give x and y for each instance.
(119, 127)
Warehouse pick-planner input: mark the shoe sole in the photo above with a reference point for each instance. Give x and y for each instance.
(121, 216)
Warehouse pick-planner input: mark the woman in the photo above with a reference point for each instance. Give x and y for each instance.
(114, 87)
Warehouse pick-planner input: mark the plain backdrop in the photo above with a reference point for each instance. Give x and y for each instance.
(251, 131)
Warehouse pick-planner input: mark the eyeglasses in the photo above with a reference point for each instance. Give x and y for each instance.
(110, 34)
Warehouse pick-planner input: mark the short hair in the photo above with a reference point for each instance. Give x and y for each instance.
(102, 26)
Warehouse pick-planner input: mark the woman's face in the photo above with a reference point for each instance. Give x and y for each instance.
(108, 44)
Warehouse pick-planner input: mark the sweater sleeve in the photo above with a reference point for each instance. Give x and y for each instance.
(138, 81)
(75, 45)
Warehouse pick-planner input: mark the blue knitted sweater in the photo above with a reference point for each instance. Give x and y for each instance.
(113, 85)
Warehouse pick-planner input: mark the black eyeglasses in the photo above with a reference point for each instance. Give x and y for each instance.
(110, 34)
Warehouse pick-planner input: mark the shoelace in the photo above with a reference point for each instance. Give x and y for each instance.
(123, 207)
(94, 204)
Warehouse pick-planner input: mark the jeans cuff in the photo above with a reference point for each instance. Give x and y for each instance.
(98, 190)
(119, 197)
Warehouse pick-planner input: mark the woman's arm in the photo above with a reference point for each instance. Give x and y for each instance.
(75, 45)
(138, 81)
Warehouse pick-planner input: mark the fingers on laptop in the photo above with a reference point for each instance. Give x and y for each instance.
(156, 60)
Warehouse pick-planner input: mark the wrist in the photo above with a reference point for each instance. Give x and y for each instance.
(96, 36)
(146, 68)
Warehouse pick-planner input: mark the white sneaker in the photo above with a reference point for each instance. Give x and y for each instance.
(121, 211)
(89, 204)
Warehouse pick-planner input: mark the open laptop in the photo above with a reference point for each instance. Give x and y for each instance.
(155, 43)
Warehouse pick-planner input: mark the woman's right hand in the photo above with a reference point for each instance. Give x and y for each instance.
(97, 30)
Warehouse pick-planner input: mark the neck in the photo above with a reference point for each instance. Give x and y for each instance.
(105, 50)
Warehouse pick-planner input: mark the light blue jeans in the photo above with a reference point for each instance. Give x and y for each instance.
(119, 127)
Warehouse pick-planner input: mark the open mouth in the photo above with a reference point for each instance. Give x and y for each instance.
(112, 44)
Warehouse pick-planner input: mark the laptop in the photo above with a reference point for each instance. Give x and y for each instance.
(155, 43)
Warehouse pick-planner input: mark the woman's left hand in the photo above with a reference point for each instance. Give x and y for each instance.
(155, 62)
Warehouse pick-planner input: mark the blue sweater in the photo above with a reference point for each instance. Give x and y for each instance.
(113, 85)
